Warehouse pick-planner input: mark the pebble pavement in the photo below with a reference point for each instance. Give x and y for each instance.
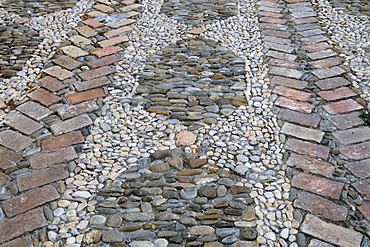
(184, 123)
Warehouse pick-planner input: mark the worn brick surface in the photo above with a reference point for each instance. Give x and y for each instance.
(307, 148)
(34, 110)
(318, 185)
(103, 8)
(21, 224)
(74, 51)
(94, 83)
(360, 169)
(71, 124)
(316, 46)
(321, 54)
(75, 110)
(113, 41)
(51, 83)
(117, 32)
(8, 158)
(92, 23)
(311, 165)
(318, 243)
(273, 20)
(80, 41)
(357, 151)
(332, 83)
(14, 140)
(311, 32)
(29, 200)
(276, 33)
(292, 93)
(67, 62)
(58, 72)
(310, 120)
(343, 106)
(306, 20)
(326, 73)
(334, 234)
(365, 210)
(86, 96)
(299, 106)
(309, 26)
(351, 136)
(44, 160)
(44, 97)
(106, 51)
(281, 55)
(62, 141)
(291, 73)
(326, 63)
(86, 31)
(41, 177)
(320, 206)
(24, 241)
(270, 14)
(336, 94)
(345, 121)
(95, 73)
(283, 81)
(302, 132)
(123, 23)
(279, 47)
(108, 60)
(283, 63)
(269, 9)
(363, 186)
(20, 122)
(276, 40)
(4, 179)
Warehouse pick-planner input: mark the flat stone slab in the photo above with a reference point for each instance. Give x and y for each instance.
(34, 110)
(22, 123)
(71, 124)
(58, 72)
(302, 132)
(74, 51)
(14, 140)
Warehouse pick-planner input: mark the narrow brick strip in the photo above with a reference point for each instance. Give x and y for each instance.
(292, 93)
(44, 160)
(302, 132)
(344, 106)
(302, 107)
(307, 148)
(357, 152)
(76, 98)
(311, 165)
(62, 141)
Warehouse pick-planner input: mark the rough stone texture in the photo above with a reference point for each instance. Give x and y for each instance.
(71, 124)
(62, 141)
(307, 148)
(185, 138)
(360, 168)
(22, 123)
(8, 159)
(357, 151)
(44, 160)
(311, 165)
(302, 132)
(34, 110)
(14, 140)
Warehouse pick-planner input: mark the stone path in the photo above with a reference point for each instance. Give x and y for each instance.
(184, 123)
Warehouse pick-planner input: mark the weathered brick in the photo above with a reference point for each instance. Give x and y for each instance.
(334, 234)
(95, 13)
(343, 106)
(286, 72)
(357, 152)
(311, 32)
(276, 33)
(320, 206)
(117, 32)
(283, 81)
(86, 96)
(321, 54)
(29, 200)
(44, 160)
(78, 109)
(308, 26)
(51, 83)
(360, 169)
(315, 39)
(302, 107)
(21, 224)
(300, 15)
(318, 185)
(106, 51)
(283, 63)
(74, 51)
(113, 41)
(277, 40)
(86, 31)
(24, 241)
(4, 179)
(44, 97)
(95, 73)
(8, 158)
(34, 110)
(326, 73)
(14, 140)
(71, 124)
(196, 31)
(58, 72)
(273, 20)
(310, 120)
(281, 55)
(295, 1)
(62, 141)
(302, 132)
(332, 83)
(20, 122)
(351, 136)
(41, 177)
(305, 20)
(363, 186)
(92, 23)
(90, 84)
(345, 121)
(311, 165)
(326, 63)
(104, 61)
(316, 46)
(365, 210)
(124, 23)
(336, 94)
(318, 243)
(80, 41)
(292, 93)
(270, 14)
(103, 8)
(269, 9)
(307, 148)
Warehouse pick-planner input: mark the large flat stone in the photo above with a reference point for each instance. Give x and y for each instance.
(14, 140)
(71, 124)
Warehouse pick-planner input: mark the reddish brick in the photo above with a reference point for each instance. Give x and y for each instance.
(128, 2)
(283, 81)
(94, 83)
(62, 141)
(86, 96)
(104, 61)
(41, 177)
(280, 55)
(51, 83)
(302, 107)
(332, 83)
(92, 23)
(86, 31)
(326, 63)
(295, 1)
(103, 8)
(360, 169)
(292, 93)
(270, 14)
(320, 206)
(307, 148)
(311, 165)
(44, 97)
(14, 140)
(276, 33)
(273, 20)
(44, 160)
(196, 31)
(336, 94)
(24, 241)
(67, 62)
(285, 72)
(21, 224)
(310, 120)
(345, 121)
(106, 51)
(95, 73)
(318, 185)
(316, 46)
(29, 200)
(343, 106)
(357, 152)
(8, 158)
(75, 110)
(283, 63)
(340, 236)
(365, 210)
(271, 8)
(363, 186)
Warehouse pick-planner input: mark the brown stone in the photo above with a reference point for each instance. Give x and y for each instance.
(286, 72)
(326, 63)
(249, 215)
(67, 62)
(360, 169)
(351, 136)
(117, 32)
(195, 163)
(345, 121)
(299, 106)
(302, 132)
(331, 83)
(34, 110)
(86, 31)
(190, 172)
(196, 31)
(108, 60)
(292, 93)
(4, 179)
(44, 97)
(20, 122)
(363, 186)
(78, 109)
(95, 73)
(58, 72)
(106, 51)
(237, 189)
(62, 141)
(311, 120)
(14, 140)
(365, 210)
(8, 158)
(44, 160)
(283, 63)
(357, 151)
(326, 73)
(343, 106)
(113, 41)
(287, 82)
(90, 84)
(51, 83)
(307, 148)
(316, 46)
(311, 165)
(185, 138)
(92, 23)
(72, 124)
(24, 241)
(86, 96)
(336, 94)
